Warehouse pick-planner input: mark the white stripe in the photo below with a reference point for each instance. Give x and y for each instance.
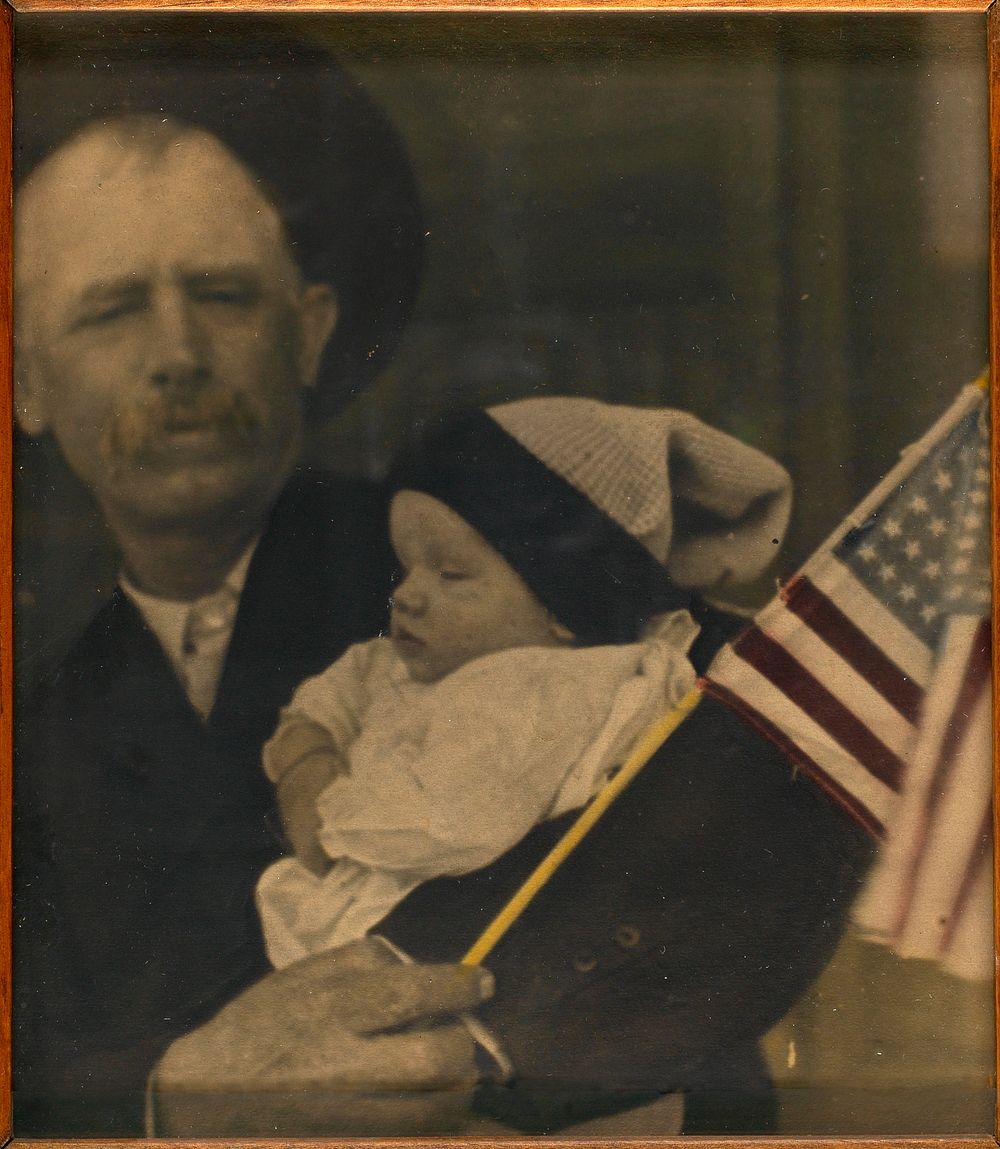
(970, 954)
(938, 708)
(956, 814)
(760, 694)
(951, 840)
(884, 899)
(851, 689)
(838, 583)
(952, 666)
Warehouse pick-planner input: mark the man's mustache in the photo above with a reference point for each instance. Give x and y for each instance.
(143, 428)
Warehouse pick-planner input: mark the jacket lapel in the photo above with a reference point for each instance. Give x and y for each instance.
(319, 581)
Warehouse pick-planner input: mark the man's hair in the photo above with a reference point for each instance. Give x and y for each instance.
(143, 133)
(150, 136)
(146, 139)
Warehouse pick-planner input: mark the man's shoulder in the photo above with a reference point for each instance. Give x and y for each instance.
(111, 635)
(343, 504)
(113, 652)
(321, 520)
(327, 534)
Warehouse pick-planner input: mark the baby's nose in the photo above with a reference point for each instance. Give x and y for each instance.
(410, 596)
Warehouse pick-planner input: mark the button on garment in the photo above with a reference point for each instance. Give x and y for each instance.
(627, 936)
(203, 649)
(195, 635)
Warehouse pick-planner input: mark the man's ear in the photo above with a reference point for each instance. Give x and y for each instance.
(318, 315)
(31, 408)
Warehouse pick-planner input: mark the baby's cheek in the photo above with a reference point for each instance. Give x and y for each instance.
(466, 594)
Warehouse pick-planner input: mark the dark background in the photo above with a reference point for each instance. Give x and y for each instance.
(777, 222)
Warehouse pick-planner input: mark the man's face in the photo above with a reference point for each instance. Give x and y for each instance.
(165, 334)
(458, 599)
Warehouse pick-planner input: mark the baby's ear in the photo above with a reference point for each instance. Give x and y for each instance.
(560, 633)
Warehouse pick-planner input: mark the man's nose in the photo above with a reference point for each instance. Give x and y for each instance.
(177, 351)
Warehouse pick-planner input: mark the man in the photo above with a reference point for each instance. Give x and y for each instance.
(166, 338)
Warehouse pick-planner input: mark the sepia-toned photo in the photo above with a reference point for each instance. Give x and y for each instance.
(502, 575)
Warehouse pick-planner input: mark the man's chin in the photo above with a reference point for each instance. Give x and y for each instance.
(193, 497)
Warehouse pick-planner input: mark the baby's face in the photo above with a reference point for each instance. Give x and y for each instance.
(458, 598)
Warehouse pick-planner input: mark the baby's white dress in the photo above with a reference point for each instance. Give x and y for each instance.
(447, 776)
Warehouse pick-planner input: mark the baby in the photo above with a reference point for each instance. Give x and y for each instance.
(549, 549)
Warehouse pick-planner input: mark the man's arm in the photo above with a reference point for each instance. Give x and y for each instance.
(703, 906)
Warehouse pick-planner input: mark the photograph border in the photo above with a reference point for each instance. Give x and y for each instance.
(8, 14)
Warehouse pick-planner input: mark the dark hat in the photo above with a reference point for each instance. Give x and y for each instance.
(324, 153)
(611, 514)
(594, 576)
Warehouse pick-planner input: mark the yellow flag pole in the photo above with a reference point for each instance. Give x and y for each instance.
(647, 746)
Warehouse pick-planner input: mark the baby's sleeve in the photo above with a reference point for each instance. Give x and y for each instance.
(338, 697)
(488, 759)
(325, 712)
(296, 739)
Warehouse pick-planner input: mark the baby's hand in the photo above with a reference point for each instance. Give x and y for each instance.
(302, 760)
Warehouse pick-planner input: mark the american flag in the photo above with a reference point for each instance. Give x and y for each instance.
(871, 671)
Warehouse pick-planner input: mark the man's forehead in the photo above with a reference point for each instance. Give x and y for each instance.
(116, 152)
(102, 207)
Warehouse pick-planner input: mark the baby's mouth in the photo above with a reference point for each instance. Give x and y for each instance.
(405, 639)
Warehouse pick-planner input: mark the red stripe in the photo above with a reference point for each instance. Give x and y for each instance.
(804, 599)
(802, 687)
(856, 809)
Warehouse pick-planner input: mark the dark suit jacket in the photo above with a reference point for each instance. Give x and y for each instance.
(689, 921)
(141, 829)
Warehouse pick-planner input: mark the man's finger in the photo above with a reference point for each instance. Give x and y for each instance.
(365, 954)
(290, 998)
(440, 1058)
(388, 998)
(327, 969)
(427, 1059)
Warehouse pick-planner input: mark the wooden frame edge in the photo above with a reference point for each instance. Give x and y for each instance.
(993, 67)
(458, 6)
(8, 9)
(6, 565)
(694, 1142)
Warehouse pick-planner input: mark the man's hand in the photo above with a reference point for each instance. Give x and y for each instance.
(347, 1042)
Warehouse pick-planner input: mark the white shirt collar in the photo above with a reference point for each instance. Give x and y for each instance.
(167, 618)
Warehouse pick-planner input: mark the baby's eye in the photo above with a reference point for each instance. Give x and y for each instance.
(452, 574)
